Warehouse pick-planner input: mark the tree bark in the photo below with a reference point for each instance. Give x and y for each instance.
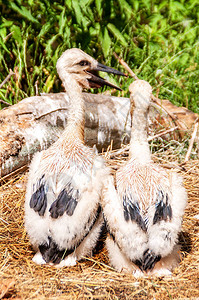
(36, 122)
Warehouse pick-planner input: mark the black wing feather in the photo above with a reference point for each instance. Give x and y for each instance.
(71, 205)
(132, 211)
(38, 200)
(163, 209)
(65, 202)
(51, 252)
(126, 213)
(149, 260)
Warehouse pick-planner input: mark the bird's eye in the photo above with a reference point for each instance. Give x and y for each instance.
(84, 63)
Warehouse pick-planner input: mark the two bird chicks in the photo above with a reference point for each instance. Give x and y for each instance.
(70, 192)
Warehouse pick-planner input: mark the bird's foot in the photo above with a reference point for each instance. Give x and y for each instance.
(161, 272)
(69, 261)
(38, 259)
(138, 274)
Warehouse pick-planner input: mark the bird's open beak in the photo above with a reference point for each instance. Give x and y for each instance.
(103, 68)
(96, 81)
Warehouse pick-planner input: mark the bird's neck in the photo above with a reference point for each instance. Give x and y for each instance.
(139, 148)
(76, 116)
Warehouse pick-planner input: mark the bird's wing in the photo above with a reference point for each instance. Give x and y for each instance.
(124, 221)
(56, 184)
(60, 185)
(162, 212)
(77, 181)
(63, 195)
(170, 201)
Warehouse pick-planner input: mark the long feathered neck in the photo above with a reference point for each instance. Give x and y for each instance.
(74, 130)
(139, 148)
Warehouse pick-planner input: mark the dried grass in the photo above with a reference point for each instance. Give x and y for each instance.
(93, 278)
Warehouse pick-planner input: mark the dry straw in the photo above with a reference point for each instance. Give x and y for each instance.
(93, 278)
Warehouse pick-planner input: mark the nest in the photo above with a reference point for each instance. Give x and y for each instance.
(92, 277)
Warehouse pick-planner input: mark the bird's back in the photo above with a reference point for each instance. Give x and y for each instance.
(141, 183)
(63, 194)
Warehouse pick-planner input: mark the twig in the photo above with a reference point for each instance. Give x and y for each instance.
(4, 102)
(191, 141)
(36, 88)
(124, 64)
(7, 36)
(159, 102)
(150, 138)
(50, 112)
(7, 78)
(43, 115)
(8, 176)
(120, 151)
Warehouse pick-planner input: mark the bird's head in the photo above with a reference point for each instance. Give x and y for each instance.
(84, 69)
(140, 94)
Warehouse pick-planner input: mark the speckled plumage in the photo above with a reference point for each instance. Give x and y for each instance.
(62, 211)
(143, 209)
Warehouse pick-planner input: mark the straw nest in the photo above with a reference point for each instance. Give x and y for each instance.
(93, 278)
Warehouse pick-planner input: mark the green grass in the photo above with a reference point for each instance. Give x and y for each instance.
(158, 39)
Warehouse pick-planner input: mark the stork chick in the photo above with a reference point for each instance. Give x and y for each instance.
(62, 212)
(144, 207)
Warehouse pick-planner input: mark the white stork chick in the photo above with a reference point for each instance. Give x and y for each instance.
(62, 212)
(143, 208)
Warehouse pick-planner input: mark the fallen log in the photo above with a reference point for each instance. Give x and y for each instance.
(36, 122)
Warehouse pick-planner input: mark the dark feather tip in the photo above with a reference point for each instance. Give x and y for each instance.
(38, 200)
(64, 203)
(163, 210)
(149, 260)
(51, 252)
(132, 211)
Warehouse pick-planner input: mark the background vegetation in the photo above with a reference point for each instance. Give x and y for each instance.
(157, 38)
